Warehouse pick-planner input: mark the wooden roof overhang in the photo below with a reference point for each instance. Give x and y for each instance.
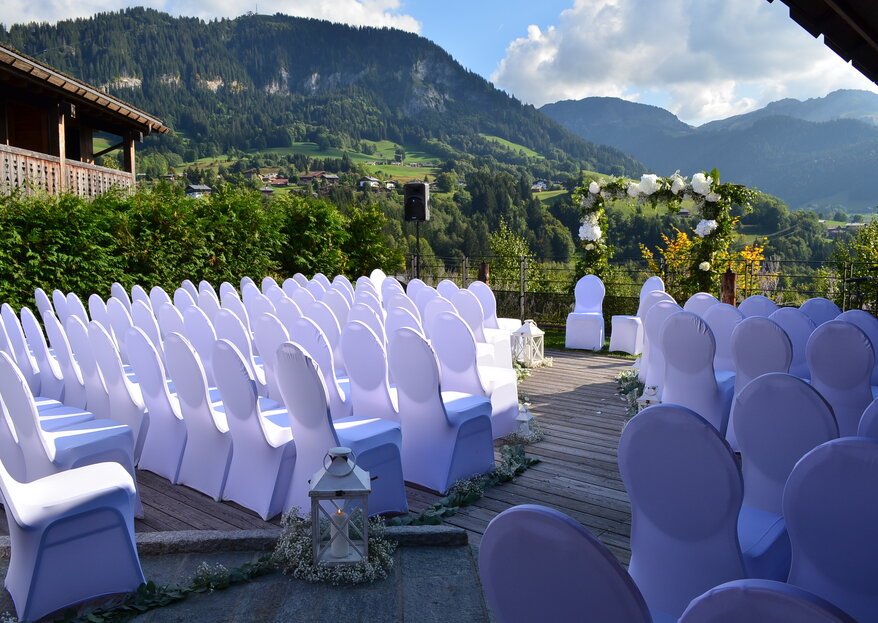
(23, 71)
(849, 28)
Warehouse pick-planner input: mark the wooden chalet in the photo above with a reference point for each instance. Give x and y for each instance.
(48, 121)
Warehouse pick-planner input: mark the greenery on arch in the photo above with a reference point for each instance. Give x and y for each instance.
(711, 199)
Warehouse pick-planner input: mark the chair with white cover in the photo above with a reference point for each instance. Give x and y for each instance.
(757, 305)
(317, 289)
(248, 291)
(59, 302)
(275, 294)
(227, 289)
(97, 311)
(97, 400)
(338, 303)
(364, 284)
(489, 305)
(366, 314)
(321, 314)
(399, 317)
(74, 386)
(389, 287)
(166, 436)
(287, 312)
(761, 600)
(690, 380)
(138, 293)
(369, 298)
(699, 303)
(42, 301)
(182, 299)
(759, 346)
(5, 343)
(577, 577)
(841, 358)
(322, 280)
(229, 327)
(75, 306)
(798, 328)
(170, 320)
(401, 299)
(157, 298)
(424, 296)
(126, 400)
(455, 347)
(375, 442)
(200, 334)
(626, 332)
(72, 537)
(869, 325)
(470, 309)
(144, 319)
(21, 354)
(778, 418)
(831, 511)
(51, 379)
(377, 277)
(686, 490)
(413, 287)
(820, 310)
(191, 288)
(233, 303)
(206, 286)
(650, 299)
(268, 334)
(263, 455)
(302, 297)
(49, 452)
(208, 450)
(447, 288)
(585, 325)
(446, 436)
(290, 285)
(301, 279)
(259, 304)
(344, 285)
(247, 281)
(267, 282)
(309, 335)
(117, 290)
(869, 421)
(120, 322)
(722, 320)
(652, 367)
(366, 361)
(437, 305)
(208, 303)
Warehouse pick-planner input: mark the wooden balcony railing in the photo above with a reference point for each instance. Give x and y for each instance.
(34, 172)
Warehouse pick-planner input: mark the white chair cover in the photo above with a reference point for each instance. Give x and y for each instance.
(366, 362)
(170, 320)
(432, 308)
(759, 346)
(42, 301)
(338, 303)
(414, 287)
(377, 277)
(248, 291)
(201, 335)
(364, 313)
(869, 325)
(722, 320)
(143, 318)
(699, 303)
(322, 280)
(267, 282)
(275, 293)
(798, 328)
(344, 285)
(390, 287)
(317, 289)
(308, 334)
(259, 304)
(97, 400)
(470, 309)
(74, 386)
(182, 299)
(652, 367)
(820, 310)
(208, 304)
(400, 299)
(22, 355)
(51, 379)
(59, 300)
(206, 286)
(139, 294)
(97, 310)
(268, 334)
(233, 303)
(190, 287)
(425, 295)
(301, 279)
(75, 306)
(757, 305)
(229, 327)
(290, 285)
(157, 298)
(585, 326)
(302, 297)
(443, 441)
(368, 297)
(117, 290)
(398, 318)
(120, 321)
(626, 332)
(447, 288)
(288, 312)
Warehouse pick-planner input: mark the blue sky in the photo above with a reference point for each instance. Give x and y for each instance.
(700, 59)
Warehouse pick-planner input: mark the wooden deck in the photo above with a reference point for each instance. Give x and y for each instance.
(575, 404)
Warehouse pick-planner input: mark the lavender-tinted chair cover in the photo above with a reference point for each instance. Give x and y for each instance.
(869, 325)
(208, 304)
(21, 353)
(74, 387)
(191, 288)
(233, 303)
(338, 303)
(170, 319)
(275, 293)
(166, 436)
(375, 442)
(288, 312)
(363, 283)
(366, 361)
(322, 280)
(401, 299)
(399, 317)
(263, 452)
(869, 421)
(97, 310)
(138, 293)
(248, 291)
(316, 288)
(229, 327)
(757, 305)
(308, 334)
(143, 319)
(200, 335)
(778, 418)
(433, 308)
(841, 358)
(208, 451)
(303, 298)
(340, 281)
(117, 290)
(59, 301)
(97, 400)
(259, 304)
(267, 282)
(699, 303)
(626, 332)
(585, 325)
(759, 346)
(301, 279)
(42, 301)
(761, 600)
(831, 512)
(413, 287)
(652, 360)
(424, 296)
(447, 288)
(444, 438)
(120, 321)
(75, 306)
(157, 298)
(690, 380)
(722, 320)
(389, 287)
(183, 298)
(369, 298)
(576, 576)
(820, 310)
(206, 286)
(290, 285)
(686, 491)
(268, 334)
(798, 328)
(326, 319)
(51, 379)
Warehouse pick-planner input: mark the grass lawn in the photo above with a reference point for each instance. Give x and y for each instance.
(403, 173)
(512, 146)
(548, 197)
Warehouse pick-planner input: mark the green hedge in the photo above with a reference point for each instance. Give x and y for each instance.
(158, 237)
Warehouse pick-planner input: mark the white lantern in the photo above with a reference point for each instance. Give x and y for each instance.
(649, 397)
(339, 510)
(524, 419)
(528, 343)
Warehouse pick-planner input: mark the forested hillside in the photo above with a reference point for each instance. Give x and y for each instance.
(267, 81)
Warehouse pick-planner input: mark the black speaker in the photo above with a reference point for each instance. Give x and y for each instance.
(417, 201)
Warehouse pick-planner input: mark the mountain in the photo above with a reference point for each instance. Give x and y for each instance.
(259, 81)
(820, 153)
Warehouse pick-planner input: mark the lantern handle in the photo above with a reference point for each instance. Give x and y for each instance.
(351, 464)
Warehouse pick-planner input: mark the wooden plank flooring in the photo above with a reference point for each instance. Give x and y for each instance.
(575, 404)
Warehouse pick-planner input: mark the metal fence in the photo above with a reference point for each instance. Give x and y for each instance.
(543, 289)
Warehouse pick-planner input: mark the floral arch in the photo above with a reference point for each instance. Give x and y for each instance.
(712, 200)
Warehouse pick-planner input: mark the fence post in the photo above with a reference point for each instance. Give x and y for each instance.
(522, 282)
(464, 277)
(728, 286)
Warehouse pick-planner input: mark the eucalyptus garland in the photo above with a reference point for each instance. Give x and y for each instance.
(712, 200)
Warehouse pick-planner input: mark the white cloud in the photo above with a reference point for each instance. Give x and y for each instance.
(357, 12)
(709, 58)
